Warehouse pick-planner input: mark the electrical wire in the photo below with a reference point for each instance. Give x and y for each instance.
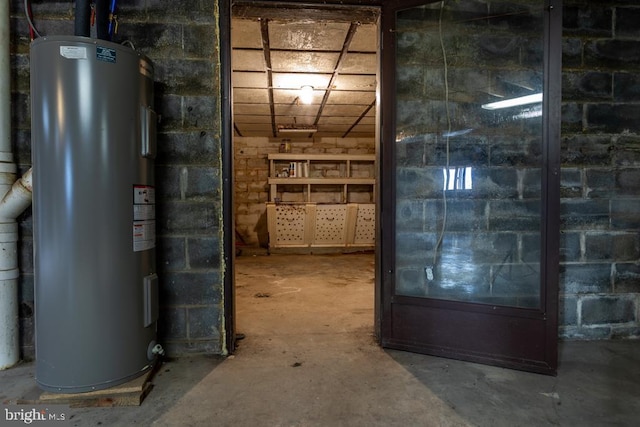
(113, 19)
(29, 14)
(447, 137)
(128, 43)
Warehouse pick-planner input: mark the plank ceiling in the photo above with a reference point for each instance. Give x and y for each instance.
(276, 51)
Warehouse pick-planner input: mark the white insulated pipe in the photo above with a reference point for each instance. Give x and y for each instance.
(5, 84)
(16, 200)
(9, 330)
(8, 290)
(16, 196)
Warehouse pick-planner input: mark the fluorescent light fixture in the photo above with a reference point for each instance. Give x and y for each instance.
(514, 102)
(306, 94)
(297, 129)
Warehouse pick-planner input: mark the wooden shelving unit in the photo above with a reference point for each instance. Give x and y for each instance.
(344, 167)
(309, 223)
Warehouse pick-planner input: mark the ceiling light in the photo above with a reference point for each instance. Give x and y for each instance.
(297, 129)
(523, 100)
(306, 94)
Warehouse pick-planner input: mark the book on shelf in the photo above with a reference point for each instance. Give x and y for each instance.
(298, 170)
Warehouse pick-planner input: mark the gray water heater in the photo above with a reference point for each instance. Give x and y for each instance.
(93, 145)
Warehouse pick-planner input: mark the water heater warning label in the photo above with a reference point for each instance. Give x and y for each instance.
(144, 235)
(144, 195)
(73, 52)
(105, 54)
(144, 218)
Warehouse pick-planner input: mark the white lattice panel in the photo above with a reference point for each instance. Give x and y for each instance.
(289, 225)
(330, 225)
(365, 224)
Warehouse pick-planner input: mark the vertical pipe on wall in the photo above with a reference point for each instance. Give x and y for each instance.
(14, 202)
(102, 20)
(9, 344)
(5, 83)
(83, 18)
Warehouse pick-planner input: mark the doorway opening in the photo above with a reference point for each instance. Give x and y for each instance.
(305, 147)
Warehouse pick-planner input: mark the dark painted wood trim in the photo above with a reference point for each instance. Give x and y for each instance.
(387, 169)
(226, 141)
(331, 9)
(552, 111)
(511, 337)
(364, 11)
(312, 12)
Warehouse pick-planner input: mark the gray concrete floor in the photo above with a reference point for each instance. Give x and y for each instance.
(309, 358)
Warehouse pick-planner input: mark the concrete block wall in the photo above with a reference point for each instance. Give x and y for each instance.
(600, 277)
(182, 40)
(600, 213)
(251, 169)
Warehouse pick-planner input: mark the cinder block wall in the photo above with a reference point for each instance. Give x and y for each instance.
(251, 169)
(182, 39)
(600, 242)
(600, 277)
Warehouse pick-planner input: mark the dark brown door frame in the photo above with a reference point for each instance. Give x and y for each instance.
(542, 323)
(386, 187)
(226, 135)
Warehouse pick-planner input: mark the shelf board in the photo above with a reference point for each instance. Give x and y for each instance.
(322, 181)
(329, 157)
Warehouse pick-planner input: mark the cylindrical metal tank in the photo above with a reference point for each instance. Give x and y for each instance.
(93, 145)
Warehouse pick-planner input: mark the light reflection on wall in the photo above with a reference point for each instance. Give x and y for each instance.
(458, 178)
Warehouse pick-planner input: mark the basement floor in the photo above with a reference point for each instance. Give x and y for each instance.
(309, 359)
